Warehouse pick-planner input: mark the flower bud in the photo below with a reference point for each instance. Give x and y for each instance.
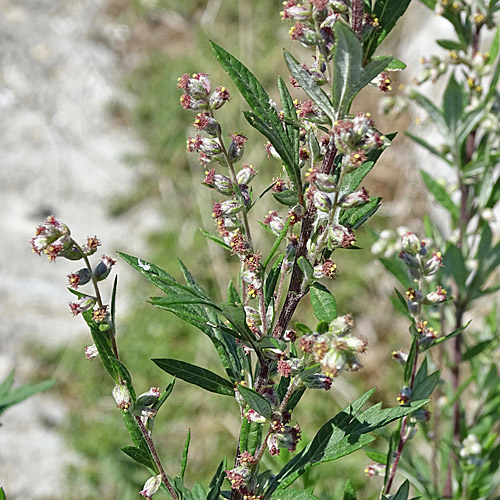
(91, 352)
(197, 86)
(341, 236)
(90, 247)
(404, 396)
(81, 277)
(238, 476)
(122, 397)
(205, 122)
(439, 295)
(410, 243)
(235, 150)
(355, 199)
(246, 174)
(326, 270)
(83, 304)
(272, 152)
(148, 398)
(151, 486)
(322, 201)
(253, 416)
(275, 222)
(102, 270)
(226, 208)
(325, 183)
(433, 264)
(342, 325)
(219, 182)
(219, 97)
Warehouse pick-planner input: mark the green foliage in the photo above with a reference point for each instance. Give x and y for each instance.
(10, 397)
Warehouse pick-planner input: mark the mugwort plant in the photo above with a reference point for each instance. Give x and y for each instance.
(317, 202)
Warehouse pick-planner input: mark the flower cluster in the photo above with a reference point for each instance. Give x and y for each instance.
(53, 238)
(335, 349)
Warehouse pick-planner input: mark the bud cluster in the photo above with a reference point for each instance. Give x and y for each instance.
(336, 349)
(53, 238)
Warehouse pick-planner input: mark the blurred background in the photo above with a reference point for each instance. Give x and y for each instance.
(91, 131)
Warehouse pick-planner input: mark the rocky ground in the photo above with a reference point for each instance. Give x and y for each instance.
(61, 153)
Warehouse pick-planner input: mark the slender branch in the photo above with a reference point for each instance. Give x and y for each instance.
(156, 459)
(357, 17)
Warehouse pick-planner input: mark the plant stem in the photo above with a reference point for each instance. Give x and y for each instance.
(156, 459)
(357, 17)
(111, 332)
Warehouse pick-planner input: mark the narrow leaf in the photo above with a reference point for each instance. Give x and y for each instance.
(441, 195)
(196, 375)
(139, 456)
(309, 86)
(257, 402)
(185, 454)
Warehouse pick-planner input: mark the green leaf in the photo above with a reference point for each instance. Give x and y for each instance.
(355, 217)
(185, 454)
(395, 65)
(13, 397)
(433, 111)
(340, 436)
(410, 361)
(454, 101)
(235, 314)
(257, 402)
(441, 195)
(292, 494)
(454, 266)
(376, 456)
(426, 387)
(402, 493)
(349, 491)
(272, 280)
(139, 456)
(309, 86)
(289, 112)
(450, 45)
(164, 396)
(215, 239)
(137, 438)
(473, 351)
(113, 301)
(349, 74)
(387, 12)
(323, 303)
(254, 437)
(396, 267)
(264, 117)
(7, 384)
(305, 267)
(427, 146)
(179, 298)
(288, 197)
(196, 375)
(103, 345)
(454, 333)
(2, 494)
(283, 148)
(216, 482)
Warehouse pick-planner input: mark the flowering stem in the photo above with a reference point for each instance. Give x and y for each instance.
(156, 459)
(100, 303)
(284, 402)
(403, 438)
